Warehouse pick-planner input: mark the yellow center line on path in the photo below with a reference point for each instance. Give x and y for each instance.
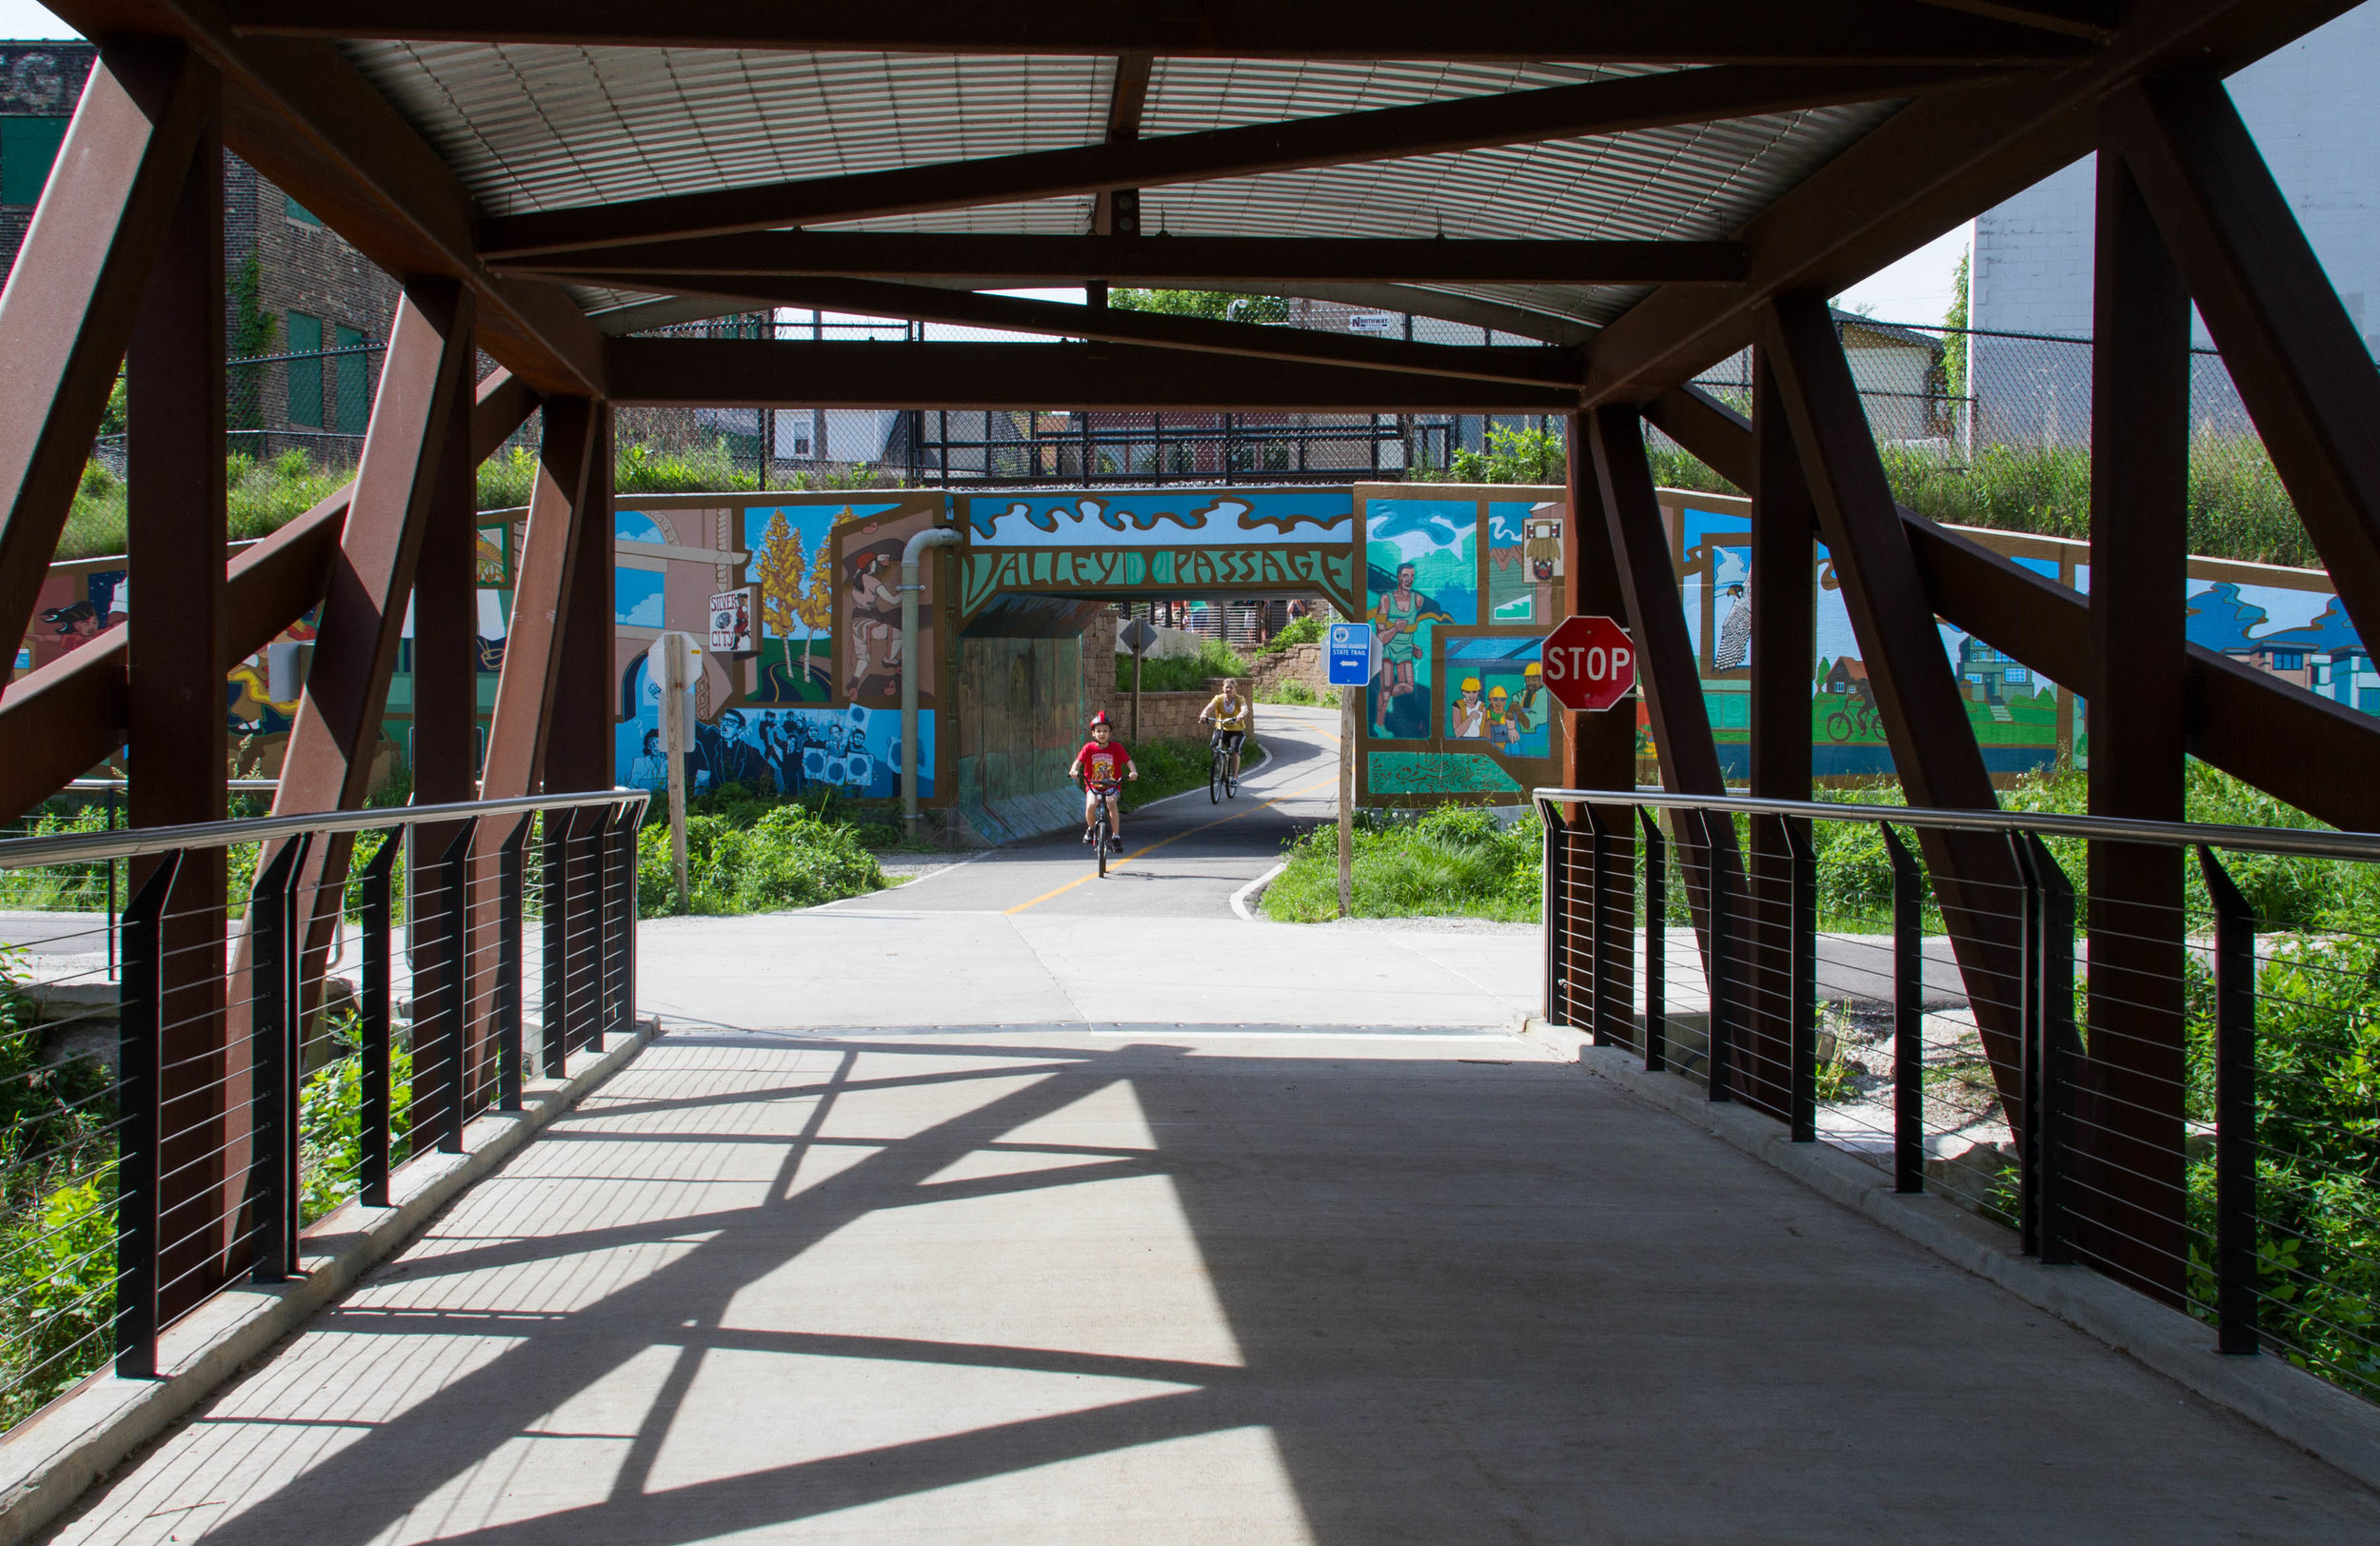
(1331, 783)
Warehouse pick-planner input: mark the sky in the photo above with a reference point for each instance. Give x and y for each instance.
(1917, 288)
(26, 19)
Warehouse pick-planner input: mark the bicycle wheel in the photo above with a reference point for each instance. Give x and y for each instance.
(1231, 782)
(1098, 841)
(1214, 778)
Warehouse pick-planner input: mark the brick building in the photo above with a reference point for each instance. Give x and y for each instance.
(297, 297)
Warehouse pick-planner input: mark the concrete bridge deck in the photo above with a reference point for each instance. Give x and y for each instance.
(1107, 1217)
(1249, 1287)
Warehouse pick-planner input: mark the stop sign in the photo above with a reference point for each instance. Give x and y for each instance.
(1590, 663)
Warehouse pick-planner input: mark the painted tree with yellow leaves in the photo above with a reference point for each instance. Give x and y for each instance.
(785, 565)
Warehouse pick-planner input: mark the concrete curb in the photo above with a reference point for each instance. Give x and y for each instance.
(1244, 900)
(2315, 1415)
(48, 1463)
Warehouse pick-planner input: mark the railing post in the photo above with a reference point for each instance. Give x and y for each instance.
(1719, 979)
(375, 1121)
(1656, 943)
(511, 870)
(554, 899)
(619, 922)
(2047, 914)
(273, 1066)
(1802, 1013)
(1909, 1084)
(139, 1013)
(1599, 969)
(2236, 1246)
(1551, 909)
(454, 908)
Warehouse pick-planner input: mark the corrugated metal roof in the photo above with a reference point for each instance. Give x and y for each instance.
(541, 127)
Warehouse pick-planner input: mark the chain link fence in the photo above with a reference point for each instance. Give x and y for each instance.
(1989, 429)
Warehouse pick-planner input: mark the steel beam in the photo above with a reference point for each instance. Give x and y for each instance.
(307, 119)
(578, 738)
(2127, 1162)
(1551, 367)
(1194, 261)
(67, 312)
(1939, 161)
(1599, 750)
(1925, 715)
(1813, 31)
(1783, 600)
(540, 593)
(737, 374)
(1593, 107)
(176, 738)
(2307, 750)
(2296, 356)
(66, 718)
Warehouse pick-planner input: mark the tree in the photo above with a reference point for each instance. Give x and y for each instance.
(1954, 340)
(1224, 306)
(815, 605)
(783, 565)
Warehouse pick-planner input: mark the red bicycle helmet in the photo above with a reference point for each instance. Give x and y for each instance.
(1100, 718)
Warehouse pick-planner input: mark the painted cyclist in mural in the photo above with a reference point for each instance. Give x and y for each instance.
(873, 615)
(1100, 767)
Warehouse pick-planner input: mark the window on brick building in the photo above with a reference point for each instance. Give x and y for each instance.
(350, 402)
(305, 371)
(299, 212)
(28, 146)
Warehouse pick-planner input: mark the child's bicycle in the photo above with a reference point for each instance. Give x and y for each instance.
(1102, 826)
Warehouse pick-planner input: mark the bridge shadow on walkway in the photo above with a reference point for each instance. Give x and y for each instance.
(1246, 1288)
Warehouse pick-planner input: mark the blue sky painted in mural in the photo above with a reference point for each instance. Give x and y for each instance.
(636, 598)
(1177, 517)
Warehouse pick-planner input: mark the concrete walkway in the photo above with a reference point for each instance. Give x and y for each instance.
(1204, 1288)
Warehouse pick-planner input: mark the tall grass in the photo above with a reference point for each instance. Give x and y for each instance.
(1182, 673)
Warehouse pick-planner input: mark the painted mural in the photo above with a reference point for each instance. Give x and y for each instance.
(1461, 586)
(2284, 622)
(814, 706)
(1120, 543)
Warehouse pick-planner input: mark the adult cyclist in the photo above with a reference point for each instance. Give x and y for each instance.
(1101, 766)
(1233, 717)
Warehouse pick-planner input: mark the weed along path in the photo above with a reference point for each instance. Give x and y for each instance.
(1032, 935)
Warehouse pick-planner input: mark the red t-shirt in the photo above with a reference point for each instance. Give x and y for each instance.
(1103, 765)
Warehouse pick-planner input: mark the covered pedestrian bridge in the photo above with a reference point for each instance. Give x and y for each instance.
(1017, 1204)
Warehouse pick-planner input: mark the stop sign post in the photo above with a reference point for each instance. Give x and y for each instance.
(1590, 663)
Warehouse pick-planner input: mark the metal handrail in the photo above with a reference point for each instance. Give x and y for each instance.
(2254, 839)
(80, 848)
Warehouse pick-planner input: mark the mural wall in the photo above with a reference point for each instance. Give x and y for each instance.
(2285, 621)
(1461, 586)
(814, 705)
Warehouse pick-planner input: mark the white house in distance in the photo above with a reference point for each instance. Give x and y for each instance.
(2315, 108)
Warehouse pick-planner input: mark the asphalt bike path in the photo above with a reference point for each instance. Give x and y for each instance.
(1182, 857)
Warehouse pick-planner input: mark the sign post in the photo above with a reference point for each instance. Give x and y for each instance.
(1138, 636)
(1590, 663)
(1350, 663)
(673, 661)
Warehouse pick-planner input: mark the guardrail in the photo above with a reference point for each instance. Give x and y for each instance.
(2164, 1074)
(267, 1050)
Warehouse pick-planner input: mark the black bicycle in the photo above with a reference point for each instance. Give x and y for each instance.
(1221, 783)
(1101, 824)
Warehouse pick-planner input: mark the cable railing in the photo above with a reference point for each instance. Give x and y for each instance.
(287, 1011)
(2145, 1046)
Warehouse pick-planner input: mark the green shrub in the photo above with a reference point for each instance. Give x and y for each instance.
(1455, 860)
(1293, 690)
(1300, 630)
(785, 857)
(1182, 673)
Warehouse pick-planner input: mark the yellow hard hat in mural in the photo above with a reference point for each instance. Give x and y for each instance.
(1471, 683)
(1533, 668)
(1497, 692)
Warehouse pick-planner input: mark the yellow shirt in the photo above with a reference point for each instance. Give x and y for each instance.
(1225, 717)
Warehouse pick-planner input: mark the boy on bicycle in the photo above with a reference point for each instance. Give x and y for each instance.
(1233, 717)
(1102, 765)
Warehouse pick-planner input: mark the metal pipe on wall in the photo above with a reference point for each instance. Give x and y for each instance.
(932, 537)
